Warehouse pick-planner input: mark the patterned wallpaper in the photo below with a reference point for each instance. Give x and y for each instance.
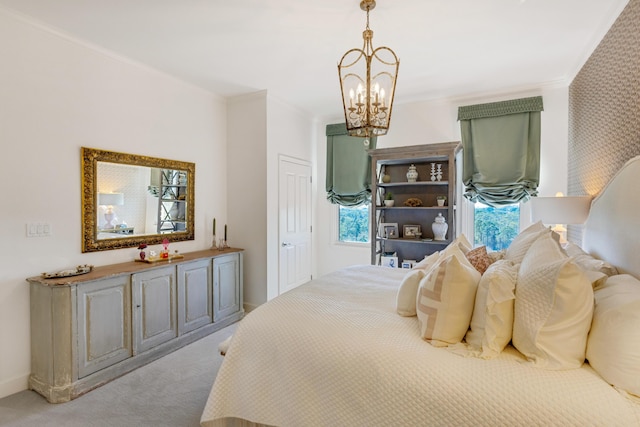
(604, 110)
(133, 182)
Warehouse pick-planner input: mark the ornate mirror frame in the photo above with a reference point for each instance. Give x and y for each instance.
(89, 164)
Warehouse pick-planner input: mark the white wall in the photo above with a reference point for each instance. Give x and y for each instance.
(432, 122)
(290, 132)
(261, 128)
(57, 95)
(247, 195)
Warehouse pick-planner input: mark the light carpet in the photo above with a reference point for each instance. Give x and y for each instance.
(170, 391)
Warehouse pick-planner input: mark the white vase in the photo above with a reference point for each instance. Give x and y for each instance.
(439, 228)
(388, 203)
(412, 174)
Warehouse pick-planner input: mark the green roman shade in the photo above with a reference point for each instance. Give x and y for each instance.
(501, 150)
(348, 167)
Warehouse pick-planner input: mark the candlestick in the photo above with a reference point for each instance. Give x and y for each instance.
(225, 232)
(214, 226)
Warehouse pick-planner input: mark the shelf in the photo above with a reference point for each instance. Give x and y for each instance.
(427, 242)
(405, 160)
(417, 208)
(411, 184)
(393, 164)
(172, 196)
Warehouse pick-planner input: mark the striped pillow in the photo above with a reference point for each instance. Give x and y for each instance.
(445, 300)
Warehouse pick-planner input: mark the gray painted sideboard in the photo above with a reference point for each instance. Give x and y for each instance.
(88, 330)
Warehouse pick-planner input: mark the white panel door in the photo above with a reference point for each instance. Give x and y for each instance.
(294, 223)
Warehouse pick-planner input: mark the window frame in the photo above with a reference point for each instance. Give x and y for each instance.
(467, 218)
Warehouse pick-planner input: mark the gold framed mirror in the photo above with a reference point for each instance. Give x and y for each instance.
(129, 199)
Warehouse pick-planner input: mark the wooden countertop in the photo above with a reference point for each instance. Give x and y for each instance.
(100, 272)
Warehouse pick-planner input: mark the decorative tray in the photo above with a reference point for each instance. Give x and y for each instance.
(151, 260)
(81, 269)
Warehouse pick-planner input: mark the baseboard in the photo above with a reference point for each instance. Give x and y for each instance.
(14, 385)
(249, 307)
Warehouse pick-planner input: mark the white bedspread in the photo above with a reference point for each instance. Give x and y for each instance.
(333, 352)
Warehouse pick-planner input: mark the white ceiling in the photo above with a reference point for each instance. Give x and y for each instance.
(447, 48)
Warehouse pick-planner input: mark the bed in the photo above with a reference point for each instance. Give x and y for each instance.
(335, 351)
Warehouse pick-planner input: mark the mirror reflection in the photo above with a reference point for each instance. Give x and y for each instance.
(131, 199)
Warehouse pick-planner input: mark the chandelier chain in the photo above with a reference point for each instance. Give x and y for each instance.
(367, 83)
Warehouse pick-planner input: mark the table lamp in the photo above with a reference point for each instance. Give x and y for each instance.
(560, 210)
(109, 200)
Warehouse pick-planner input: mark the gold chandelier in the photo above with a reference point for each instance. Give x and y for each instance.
(368, 84)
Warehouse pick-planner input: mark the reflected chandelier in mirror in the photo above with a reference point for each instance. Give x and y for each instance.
(129, 199)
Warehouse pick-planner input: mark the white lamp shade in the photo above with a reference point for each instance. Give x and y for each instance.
(560, 210)
(111, 199)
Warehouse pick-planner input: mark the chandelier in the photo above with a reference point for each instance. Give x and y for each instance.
(368, 83)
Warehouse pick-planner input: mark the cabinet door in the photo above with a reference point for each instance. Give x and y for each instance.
(194, 295)
(104, 324)
(155, 309)
(227, 285)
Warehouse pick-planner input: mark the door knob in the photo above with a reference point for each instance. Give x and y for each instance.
(285, 244)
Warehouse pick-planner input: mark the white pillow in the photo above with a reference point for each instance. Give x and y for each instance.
(445, 300)
(595, 277)
(463, 243)
(587, 261)
(406, 298)
(496, 255)
(613, 348)
(428, 262)
(459, 242)
(523, 241)
(553, 307)
(492, 320)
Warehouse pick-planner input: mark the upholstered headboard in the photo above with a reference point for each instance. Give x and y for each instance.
(612, 231)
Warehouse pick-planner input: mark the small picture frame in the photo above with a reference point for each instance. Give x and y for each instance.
(411, 231)
(406, 264)
(389, 261)
(388, 230)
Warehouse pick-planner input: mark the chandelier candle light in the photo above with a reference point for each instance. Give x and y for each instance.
(368, 84)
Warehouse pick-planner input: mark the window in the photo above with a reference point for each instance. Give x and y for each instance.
(353, 224)
(495, 228)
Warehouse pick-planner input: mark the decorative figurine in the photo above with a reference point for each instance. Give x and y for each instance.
(142, 247)
(412, 174)
(439, 228)
(164, 253)
(386, 178)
